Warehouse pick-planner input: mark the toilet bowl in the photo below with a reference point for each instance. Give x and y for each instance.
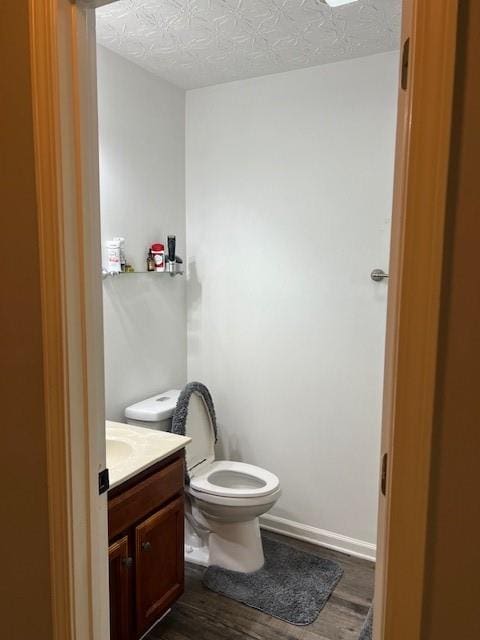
(227, 499)
(224, 498)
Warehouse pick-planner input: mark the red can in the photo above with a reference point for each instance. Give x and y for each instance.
(158, 252)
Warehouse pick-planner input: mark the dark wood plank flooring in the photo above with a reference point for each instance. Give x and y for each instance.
(201, 614)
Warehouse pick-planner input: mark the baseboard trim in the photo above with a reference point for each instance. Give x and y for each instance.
(320, 537)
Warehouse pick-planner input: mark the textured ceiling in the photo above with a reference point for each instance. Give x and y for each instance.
(195, 43)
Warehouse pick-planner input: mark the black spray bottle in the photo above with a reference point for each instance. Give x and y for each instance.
(171, 243)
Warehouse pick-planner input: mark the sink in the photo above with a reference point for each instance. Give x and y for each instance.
(131, 449)
(118, 451)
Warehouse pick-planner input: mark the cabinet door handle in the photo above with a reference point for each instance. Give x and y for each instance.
(146, 546)
(127, 562)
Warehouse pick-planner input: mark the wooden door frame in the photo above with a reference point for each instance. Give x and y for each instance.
(62, 41)
(65, 124)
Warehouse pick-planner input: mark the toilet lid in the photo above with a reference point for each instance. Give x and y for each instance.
(235, 480)
(201, 450)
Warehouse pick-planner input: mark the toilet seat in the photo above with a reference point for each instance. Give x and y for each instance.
(230, 479)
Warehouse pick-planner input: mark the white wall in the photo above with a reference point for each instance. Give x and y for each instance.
(142, 190)
(289, 188)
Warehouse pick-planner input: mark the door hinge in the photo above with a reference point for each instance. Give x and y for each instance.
(383, 483)
(103, 482)
(405, 61)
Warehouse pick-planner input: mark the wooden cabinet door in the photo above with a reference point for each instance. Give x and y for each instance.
(159, 560)
(120, 598)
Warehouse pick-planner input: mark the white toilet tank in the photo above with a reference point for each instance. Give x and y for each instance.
(155, 412)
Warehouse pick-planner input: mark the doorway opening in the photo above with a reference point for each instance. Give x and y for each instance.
(264, 141)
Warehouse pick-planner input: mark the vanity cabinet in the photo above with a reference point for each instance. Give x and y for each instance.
(146, 553)
(159, 563)
(119, 563)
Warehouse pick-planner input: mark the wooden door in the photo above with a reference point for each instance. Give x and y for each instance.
(423, 136)
(394, 291)
(120, 567)
(159, 559)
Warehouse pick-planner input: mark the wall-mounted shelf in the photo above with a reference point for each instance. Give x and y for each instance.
(115, 274)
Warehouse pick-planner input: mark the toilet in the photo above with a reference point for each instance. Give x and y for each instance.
(225, 498)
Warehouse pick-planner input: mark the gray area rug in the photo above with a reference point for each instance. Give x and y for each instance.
(366, 632)
(293, 585)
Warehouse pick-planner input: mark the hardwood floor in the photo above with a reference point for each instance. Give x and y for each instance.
(201, 614)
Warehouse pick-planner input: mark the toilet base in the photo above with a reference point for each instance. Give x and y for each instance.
(196, 540)
(236, 546)
(197, 555)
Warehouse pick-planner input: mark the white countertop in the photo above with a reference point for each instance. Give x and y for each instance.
(132, 449)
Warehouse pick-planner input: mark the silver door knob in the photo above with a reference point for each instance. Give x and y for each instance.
(378, 275)
(146, 546)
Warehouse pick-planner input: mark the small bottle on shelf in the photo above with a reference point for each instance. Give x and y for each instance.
(150, 261)
(113, 256)
(121, 244)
